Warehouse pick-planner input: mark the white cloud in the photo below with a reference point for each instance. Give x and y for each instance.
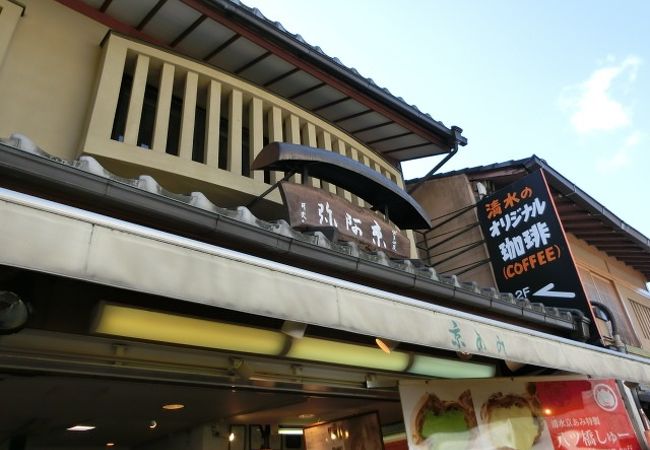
(633, 139)
(591, 103)
(622, 157)
(614, 162)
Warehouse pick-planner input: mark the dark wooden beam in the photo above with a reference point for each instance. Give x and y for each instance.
(371, 127)
(105, 5)
(152, 12)
(352, 116)
(603, 245)
(188, 30)
(388, 138)
(636, 257)
(250, 64)
(221, 47)
(597, 232)
(110, 22)
(578, 217)
(306, 91)
(281, 77)
(604, 239)
(409, 147)
(332, 103)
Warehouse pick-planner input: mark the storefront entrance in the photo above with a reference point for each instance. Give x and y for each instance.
(54, 400)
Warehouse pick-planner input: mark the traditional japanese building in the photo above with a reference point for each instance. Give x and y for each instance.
(612, 259)
(205, 237)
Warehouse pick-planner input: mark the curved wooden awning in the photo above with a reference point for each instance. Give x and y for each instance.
(358, 179)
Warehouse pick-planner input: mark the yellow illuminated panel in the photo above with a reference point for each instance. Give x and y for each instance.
(137, 323)
(156, 326)
(347, 354)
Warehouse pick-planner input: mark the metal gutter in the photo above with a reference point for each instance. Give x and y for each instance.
(580, 197)
(157, 235)
(412, 188)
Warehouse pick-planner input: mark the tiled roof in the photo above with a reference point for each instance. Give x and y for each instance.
(238, 39)
(597, 226)
(297, 37)
(404, 273)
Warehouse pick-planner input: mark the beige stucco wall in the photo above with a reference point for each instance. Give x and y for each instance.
(48, 75)
(9, 16)
(48, 81)
(445, 195)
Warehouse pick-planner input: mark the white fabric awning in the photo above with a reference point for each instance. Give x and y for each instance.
(49, 237)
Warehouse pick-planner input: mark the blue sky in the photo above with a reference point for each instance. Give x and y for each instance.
(568, 81)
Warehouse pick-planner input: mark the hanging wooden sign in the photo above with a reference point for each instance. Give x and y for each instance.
(310, 208)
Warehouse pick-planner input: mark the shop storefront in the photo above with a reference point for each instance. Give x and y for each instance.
(160, 292)
(235, 354)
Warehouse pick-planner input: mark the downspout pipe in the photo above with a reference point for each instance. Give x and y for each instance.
(456, 138)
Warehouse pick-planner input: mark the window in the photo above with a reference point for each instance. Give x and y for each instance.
(602, 294)
(145, 132)
(642, 314)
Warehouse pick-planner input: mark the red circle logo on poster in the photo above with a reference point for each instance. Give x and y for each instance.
(605, 397)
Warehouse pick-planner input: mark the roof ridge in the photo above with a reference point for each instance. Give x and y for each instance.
(464, 292)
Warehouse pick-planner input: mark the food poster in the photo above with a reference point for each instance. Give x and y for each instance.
(586, 414)
(509, 414)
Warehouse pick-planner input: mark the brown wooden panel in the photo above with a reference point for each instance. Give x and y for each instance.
(642, 314)
(311, 208)
(601, 290)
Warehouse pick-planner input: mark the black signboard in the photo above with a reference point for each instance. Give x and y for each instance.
(527, 245)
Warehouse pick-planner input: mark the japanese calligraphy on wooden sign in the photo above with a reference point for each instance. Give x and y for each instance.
(311, 208)
(524, 414)
(527, 246)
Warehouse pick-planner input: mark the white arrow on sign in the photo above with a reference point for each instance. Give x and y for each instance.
(547, 291)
